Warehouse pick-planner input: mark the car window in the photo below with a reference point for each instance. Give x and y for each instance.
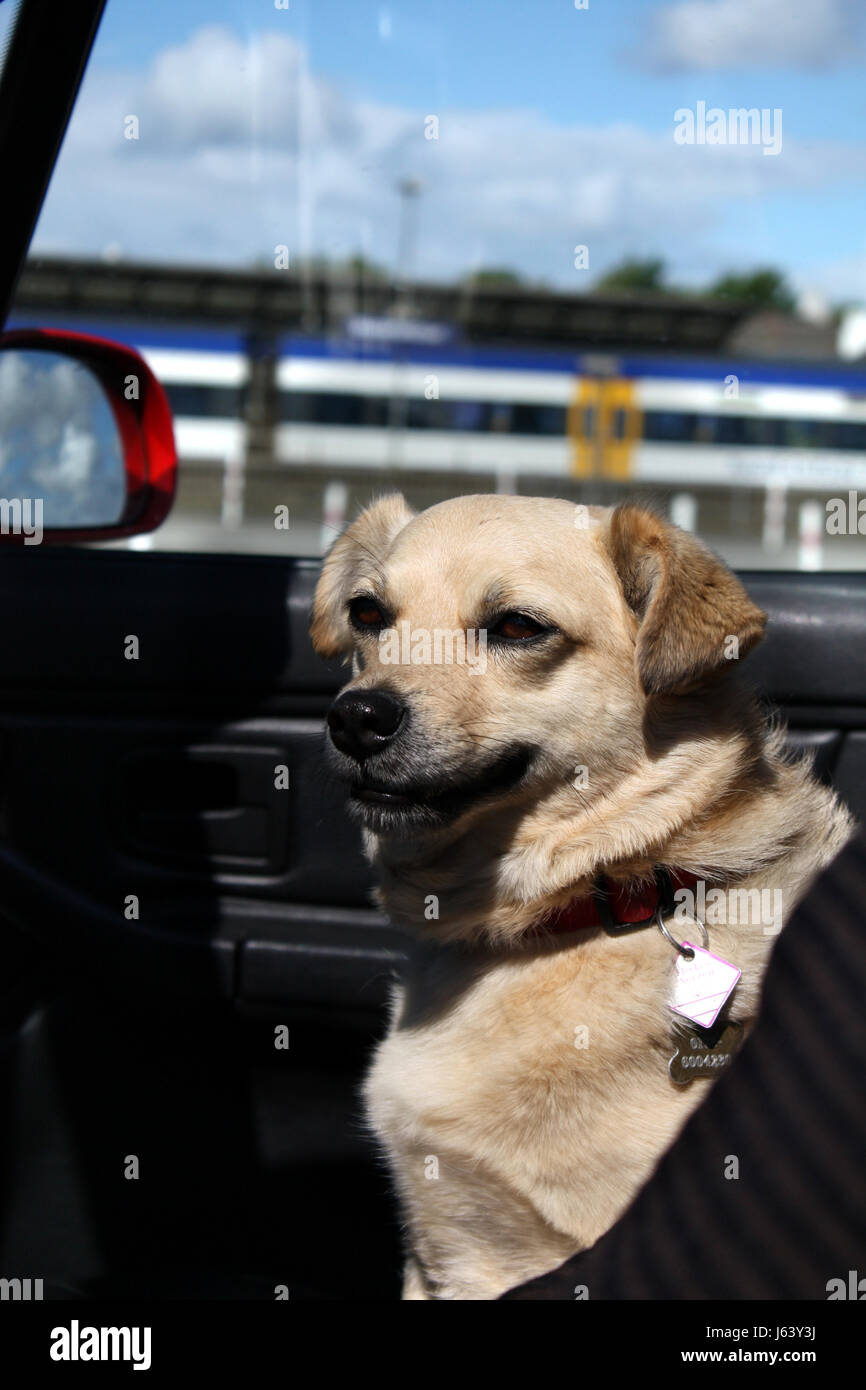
(570, 249)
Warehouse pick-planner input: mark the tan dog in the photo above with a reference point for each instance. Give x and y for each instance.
(522, 1094)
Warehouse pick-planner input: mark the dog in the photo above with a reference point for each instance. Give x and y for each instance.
(605, 752)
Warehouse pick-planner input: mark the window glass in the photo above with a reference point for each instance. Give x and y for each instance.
(431, 246)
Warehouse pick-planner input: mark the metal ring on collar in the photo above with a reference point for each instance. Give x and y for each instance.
(679, 945)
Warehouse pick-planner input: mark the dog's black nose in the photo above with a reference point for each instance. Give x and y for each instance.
(363, 721)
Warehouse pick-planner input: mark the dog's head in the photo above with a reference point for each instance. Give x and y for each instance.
(502, 646)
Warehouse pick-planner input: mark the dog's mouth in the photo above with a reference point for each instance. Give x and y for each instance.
(384, 806)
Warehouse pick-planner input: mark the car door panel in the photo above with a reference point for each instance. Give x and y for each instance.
(155, 779)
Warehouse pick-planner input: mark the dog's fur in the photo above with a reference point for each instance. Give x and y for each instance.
(511, 1147)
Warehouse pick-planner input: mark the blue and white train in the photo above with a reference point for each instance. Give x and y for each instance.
(347, 404)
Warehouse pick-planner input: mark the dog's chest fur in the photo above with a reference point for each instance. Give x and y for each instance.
(523, 1101)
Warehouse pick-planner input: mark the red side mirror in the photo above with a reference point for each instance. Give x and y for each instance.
(86, 442)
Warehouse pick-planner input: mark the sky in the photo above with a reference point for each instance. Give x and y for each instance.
(261, 127)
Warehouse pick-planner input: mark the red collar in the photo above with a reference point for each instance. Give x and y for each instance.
(615, 905)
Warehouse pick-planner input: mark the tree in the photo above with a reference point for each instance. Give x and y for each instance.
(360, 266)
(635, 277)
(494, 276)
(765, 289)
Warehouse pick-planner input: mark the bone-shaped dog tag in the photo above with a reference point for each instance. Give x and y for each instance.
(697, 1056)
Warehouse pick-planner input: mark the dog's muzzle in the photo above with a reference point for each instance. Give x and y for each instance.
(363, 722)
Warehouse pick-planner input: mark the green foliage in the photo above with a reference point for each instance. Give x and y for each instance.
(493, 276)
(635, 276)
(764, 289)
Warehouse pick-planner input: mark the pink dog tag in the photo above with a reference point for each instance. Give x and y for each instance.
(702, 985)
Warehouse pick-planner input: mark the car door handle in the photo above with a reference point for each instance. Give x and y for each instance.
(206, 805)
(239, 832)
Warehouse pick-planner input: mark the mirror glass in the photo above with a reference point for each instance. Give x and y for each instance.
(61, 455)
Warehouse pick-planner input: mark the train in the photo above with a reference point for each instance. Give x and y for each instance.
(637, 420)
(346, 403)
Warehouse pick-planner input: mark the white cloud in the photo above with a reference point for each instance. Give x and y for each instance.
(712, 35)
(243, 148)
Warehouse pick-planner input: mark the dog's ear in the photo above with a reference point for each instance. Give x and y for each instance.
(363, 545)
(693, 614)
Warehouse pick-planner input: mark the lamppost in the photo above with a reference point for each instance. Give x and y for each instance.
(409, 190)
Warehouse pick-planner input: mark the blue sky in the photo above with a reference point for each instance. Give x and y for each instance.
(486, 53)
(555, 129)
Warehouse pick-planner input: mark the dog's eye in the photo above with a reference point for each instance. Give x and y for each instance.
(515, 627)
(365, 612)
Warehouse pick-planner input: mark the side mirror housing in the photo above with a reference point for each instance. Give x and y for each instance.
(86, 442)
